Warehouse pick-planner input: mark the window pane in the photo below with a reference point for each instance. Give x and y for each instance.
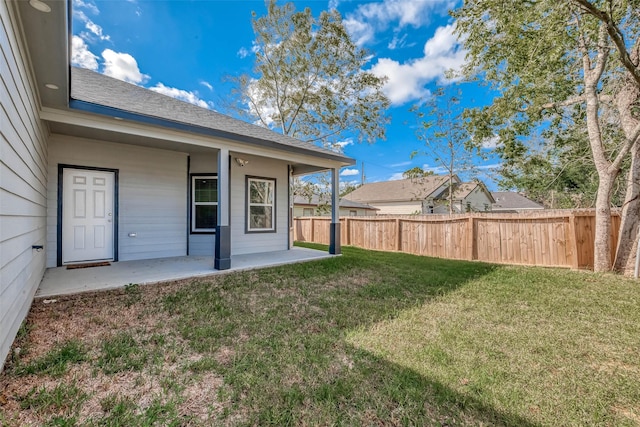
(261, 192)
(206, 216)
(206, 190)
(260, 217)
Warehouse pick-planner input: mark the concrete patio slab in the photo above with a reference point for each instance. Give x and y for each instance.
(60, 281)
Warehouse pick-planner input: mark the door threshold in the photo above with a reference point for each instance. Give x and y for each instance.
(88, 265)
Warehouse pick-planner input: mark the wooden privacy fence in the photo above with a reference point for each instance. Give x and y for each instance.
(546, 238)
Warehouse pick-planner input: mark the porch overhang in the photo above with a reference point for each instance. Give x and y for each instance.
(115, 128)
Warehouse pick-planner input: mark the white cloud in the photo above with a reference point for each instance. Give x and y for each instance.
(489, 167)
(122, 66)
(93, 28)
(401, 164)
(90, 6)
(349, 172)
(396, 176)
(490, 143)
(81, 55)
(397, 42)
(96, 29)
(370, 18)
(406, 81)
(333, 4)
(243, 53)
(182, 95)
(206, 84)
(342, 144)
(360, 32)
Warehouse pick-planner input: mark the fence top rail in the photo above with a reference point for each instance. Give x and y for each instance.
(520, 216)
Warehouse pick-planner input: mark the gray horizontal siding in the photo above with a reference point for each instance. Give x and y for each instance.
(245, 243)
(201, 163)
(23, 180)
(152, 195)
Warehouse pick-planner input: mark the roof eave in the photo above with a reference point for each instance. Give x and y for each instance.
(201, 130)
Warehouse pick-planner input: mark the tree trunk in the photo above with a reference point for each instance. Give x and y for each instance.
(630, 216)
(606, 178)
(450, 191)
(628, 237)
(602, 243)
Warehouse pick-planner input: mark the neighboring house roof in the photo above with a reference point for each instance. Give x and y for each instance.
(91, 91)
(403, 190)
(512, 201)
(344, 203)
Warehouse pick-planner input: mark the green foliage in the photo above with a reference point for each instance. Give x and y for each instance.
(416, 172)
(558, 171)
(348, 188)
(533, 54)
(56, 361)
(310, 82)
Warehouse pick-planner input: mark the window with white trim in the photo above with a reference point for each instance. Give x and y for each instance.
(261, 207)
(204, 203)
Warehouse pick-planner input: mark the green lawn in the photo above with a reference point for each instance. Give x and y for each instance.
(369, 338)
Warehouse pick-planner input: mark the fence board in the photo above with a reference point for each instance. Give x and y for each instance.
(546, 238)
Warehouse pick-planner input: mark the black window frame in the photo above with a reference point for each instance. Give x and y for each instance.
(248, 205)
(192, 203)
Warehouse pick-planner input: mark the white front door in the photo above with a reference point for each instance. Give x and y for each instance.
(87, 215)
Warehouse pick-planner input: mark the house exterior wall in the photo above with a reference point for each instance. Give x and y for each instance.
(479, 200)
(152, 195)
(23, 181)
(398, 208)
(261, 167)
(202, 244)
(299, 210)
(359, 212)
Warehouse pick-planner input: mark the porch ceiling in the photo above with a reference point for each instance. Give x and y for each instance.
(48, 43)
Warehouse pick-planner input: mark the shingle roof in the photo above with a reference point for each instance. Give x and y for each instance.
(509, 200)
(398, 191)
(345, 203)
(102, 91)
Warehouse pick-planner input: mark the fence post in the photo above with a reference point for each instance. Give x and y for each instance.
(398, 235)
(575, 262)
(312, 230)
(347, 231)
(471, 241)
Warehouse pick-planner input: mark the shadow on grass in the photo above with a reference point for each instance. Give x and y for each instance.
(291, 363)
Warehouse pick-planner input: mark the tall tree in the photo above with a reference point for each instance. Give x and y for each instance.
(447, 142)
(544, 57)
(557, 170)
(310, 80)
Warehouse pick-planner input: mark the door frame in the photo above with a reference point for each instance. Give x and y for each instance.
(116, 218)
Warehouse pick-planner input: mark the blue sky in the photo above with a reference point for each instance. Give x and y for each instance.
(185, 49)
